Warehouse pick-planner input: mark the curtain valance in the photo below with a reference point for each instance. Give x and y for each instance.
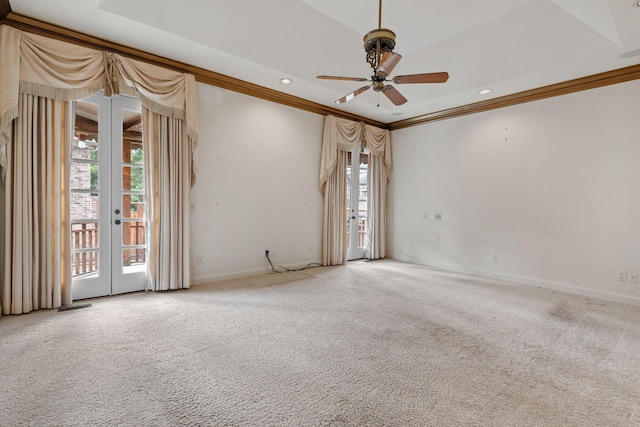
(58, 70)
(344, 135)
(161, 90)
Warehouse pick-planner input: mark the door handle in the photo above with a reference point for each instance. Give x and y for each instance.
(117, 222)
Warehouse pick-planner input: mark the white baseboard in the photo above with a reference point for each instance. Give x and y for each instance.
(523, 280)
(220, 277)
(556, 286)
(203, 280)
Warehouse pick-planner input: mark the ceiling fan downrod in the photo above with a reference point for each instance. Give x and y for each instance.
(378, 41)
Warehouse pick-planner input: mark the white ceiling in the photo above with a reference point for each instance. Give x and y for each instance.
(506, 45)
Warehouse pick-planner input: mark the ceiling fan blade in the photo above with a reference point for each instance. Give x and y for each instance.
(352, 79)
(352, 95)
(388, 62)
(422, 78)
(393, 95)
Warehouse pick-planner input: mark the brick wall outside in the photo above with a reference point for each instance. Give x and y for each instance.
(83, 205)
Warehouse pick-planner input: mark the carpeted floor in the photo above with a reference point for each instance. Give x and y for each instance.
(367, 344)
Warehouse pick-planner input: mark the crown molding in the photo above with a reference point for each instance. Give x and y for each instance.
(584, 83)
(202, 75)
(5, 8)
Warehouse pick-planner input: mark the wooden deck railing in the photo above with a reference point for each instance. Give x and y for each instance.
(85, 243)
(362, 233)
(84, 236)
(136, 237)
(362, 230)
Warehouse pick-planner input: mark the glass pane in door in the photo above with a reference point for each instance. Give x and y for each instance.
(357, 215)
(363, 187)
(349, 185)
(85, 191)
(133, 251)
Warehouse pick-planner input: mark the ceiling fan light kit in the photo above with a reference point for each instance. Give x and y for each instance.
(379, 45)
(388, 62)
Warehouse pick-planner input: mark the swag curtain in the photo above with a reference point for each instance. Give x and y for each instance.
(43, 67)
(340, 136)
(52, 70)
(57, 70)
(379, 143)
(170, 135)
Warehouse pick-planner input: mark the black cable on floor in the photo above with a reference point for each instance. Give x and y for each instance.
(285, 269)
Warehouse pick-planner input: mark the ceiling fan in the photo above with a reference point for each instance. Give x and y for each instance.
(379, 44)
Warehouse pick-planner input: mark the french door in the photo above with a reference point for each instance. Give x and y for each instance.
(357, 190)
(108, 220)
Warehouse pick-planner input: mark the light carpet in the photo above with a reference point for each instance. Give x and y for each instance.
(367, 344)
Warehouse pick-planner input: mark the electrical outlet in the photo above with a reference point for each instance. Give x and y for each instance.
(494, 257)
(198, 260)
(438, 217)
(266, 253)
(633, 277)
(622, 276)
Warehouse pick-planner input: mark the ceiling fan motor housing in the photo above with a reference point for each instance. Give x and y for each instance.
(378, 86)
(387, 40)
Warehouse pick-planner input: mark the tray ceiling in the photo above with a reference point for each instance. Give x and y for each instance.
(505, 45)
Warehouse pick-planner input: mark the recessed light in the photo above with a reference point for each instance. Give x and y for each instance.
(631, 53)
(486, 91)
(286, 81)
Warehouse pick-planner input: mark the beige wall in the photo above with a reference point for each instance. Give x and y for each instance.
(257, 186)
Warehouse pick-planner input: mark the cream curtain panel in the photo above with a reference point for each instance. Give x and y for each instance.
(378, 179)
(168, 153)
(36, 267)
(334, 226)
(340, 136)
(58, 71)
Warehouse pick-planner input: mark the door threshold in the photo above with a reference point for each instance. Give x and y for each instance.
(73, 307)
